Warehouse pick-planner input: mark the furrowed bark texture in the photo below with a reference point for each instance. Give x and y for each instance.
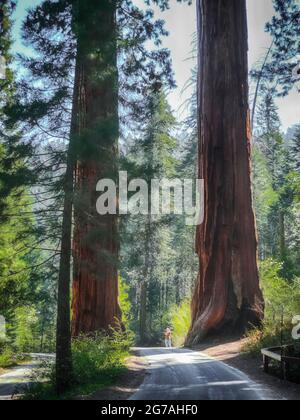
(227, 297)
(95, 281)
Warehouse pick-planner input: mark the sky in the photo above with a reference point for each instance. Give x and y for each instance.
(181, 23)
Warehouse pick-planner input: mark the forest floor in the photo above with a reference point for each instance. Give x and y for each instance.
(230, 352)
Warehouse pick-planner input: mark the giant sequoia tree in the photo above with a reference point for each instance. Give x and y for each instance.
(95, 282)
(115, 72)
(227, 294)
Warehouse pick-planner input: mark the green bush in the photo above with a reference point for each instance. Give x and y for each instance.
(3, 345)
(180, 317)
(25, 329)
(282, 300)
(125, 303)
(96, 355)
(7, 358)
(268, 336)
(97, 361)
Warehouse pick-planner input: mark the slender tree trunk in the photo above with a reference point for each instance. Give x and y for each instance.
(63, 331)
(96, 242)
(227, 296)
(282, 235)
(42, 333)
(143, 312)
(144, 284)
(258, 84)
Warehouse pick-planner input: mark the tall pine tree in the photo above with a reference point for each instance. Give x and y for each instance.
(284, 54)
(151, 156)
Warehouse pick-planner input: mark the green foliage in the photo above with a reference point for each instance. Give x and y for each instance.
(281, 296)
(276, 194)
(283, 57)
(98, 355)
(125, 303)
(7, 358)
(14, 279)
(293, 179)
(12, 227)
(282, 299)
(97, 362)
(268, 336)
(158, 251)
(25, 329)
(265, 197)
(180, 319)
(275, 170)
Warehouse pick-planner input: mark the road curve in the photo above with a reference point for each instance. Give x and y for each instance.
(14, 382)
(181, 374)
(17, 379)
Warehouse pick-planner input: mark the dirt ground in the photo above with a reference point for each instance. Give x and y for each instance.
(230, 353)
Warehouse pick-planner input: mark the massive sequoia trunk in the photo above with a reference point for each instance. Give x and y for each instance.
(227, 297)
(95, 280)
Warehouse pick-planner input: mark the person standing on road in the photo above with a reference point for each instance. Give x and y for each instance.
(168, 338)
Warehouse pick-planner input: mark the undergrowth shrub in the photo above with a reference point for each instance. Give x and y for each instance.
(7, 358)
(94, 355)
(97, 360)
(282, 300)
(180, 317)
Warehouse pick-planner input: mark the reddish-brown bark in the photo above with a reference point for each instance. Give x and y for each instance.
(227, 296)
(95, 282)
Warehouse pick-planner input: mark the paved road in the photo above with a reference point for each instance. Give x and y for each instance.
(13, 382)
(181, 374)
(174, 374)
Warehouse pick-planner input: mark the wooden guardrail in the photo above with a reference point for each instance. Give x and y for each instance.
(279, 354)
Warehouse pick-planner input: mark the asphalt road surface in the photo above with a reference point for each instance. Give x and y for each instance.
(181, 374)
